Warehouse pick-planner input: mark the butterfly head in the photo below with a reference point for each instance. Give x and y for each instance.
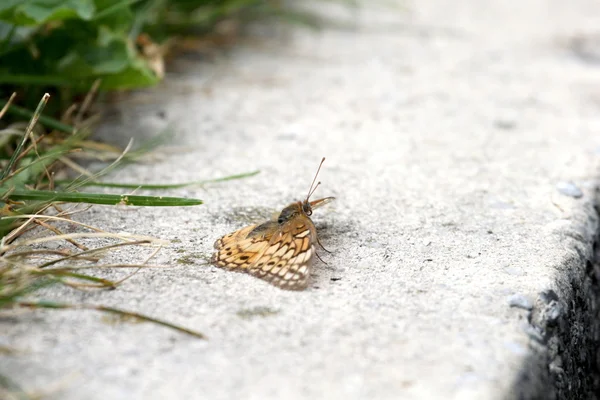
(304, 207)
(288, 213)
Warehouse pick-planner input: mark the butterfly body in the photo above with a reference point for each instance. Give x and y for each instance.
(279, 251)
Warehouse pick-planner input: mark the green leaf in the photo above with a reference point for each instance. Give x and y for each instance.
(137, 75)
(103, 52)
(35, 12)
(110, 56)
(116, 15)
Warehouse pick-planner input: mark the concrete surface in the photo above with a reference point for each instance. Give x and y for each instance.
(457, 134)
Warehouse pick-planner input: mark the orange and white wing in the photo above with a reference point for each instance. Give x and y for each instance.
(279, 254)
(233, 237)
(239, 249)
(286, 263)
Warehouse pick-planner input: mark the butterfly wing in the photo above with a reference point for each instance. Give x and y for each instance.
(286, 263)
(233, 237)
(239, 249)
(279, 254)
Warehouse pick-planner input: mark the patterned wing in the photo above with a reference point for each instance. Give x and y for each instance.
(233, 237)
(286, 262)
(239, 249)
(279, 254)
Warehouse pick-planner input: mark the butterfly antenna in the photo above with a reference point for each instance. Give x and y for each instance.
(312, 189)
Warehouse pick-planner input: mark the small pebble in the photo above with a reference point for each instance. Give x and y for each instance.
(553, 312)
(520, 301)
(569, 189)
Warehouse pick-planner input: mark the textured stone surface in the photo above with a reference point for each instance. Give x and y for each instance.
(448, 129)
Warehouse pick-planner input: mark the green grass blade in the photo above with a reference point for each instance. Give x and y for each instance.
(32, 122)
(91, 252)
(127, 157)
(118, 162)
(164, 137)
(105, 199)
(49, 122)
(37, 166)
(61, 272)
(160, 187)
(112, 310)
(9, 298)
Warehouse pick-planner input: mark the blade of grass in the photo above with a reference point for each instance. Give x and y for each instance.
(8, 103)
(9, 298)
(39, 162)
(162, 138)
(115, 266)
(48, 121)
(42, 217)
(154, 253)
(87, 101)
(122, 236)
(62, 253)
(75, 183)
(32, 123)
(96, 198)
(127, 156)
(58, 232)
(160, 187)
(62, 272)
(92, 251)
(111, 310)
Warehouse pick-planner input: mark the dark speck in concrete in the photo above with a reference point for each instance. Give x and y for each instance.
(505, 124)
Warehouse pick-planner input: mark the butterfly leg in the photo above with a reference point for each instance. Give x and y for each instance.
(319, 242)
(319, 257)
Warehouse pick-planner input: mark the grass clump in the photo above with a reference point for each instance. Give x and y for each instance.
(30, 197)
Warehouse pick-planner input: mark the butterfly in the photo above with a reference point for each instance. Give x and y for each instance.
(279, 251)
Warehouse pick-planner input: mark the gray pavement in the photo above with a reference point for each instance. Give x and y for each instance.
(449, 128)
